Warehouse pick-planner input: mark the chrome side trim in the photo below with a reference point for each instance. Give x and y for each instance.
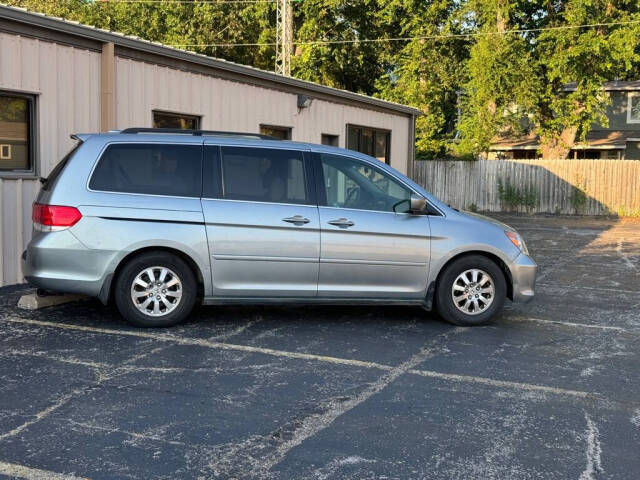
(374, 262)
(312, 205)
(269, 227)
(265, 258)
(378, 234)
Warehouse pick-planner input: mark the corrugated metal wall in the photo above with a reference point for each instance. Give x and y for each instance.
(228, 105)
(66, 82)
(610, 186)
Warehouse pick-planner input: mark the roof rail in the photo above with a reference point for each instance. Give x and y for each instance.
(197, 132)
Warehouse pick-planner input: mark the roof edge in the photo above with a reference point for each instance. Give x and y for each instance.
(85, 31)
(613, 86)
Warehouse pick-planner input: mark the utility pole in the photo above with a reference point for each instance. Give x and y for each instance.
(284, 36)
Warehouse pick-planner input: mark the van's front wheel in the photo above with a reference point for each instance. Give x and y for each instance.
(155, 289)
(471, 291)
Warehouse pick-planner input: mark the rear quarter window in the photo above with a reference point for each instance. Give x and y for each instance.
(151, 169)
(51, 180)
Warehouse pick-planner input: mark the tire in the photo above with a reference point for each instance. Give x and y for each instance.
(487, 296)
(174, 297)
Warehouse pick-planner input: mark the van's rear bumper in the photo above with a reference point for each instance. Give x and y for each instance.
(523, 274)
(57, 261)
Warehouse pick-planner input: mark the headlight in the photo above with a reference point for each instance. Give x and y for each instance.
(517, 240)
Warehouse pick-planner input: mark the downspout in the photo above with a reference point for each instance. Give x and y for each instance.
(412, 146)
(107, 88)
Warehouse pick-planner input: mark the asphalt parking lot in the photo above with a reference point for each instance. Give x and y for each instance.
(550, 391)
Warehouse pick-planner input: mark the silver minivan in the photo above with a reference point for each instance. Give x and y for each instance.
(157, 220)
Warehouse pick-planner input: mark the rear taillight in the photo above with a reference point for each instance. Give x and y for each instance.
(52, 218)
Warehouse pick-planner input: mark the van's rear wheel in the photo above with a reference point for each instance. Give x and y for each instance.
(471, 291)
(155, 289)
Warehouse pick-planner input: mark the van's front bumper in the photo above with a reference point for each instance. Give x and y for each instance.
(57, 261)
(523, 275)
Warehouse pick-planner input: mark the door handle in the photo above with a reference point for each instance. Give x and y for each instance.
(296, 219)
(342, 223)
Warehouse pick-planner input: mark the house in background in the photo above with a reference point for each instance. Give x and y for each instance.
(618, 141)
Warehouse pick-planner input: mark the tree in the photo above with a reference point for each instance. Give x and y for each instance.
(502, 81)
(513, 74)
(189, 25)
(497, 62)
(427, 73)
(587, 56)
(353, 66)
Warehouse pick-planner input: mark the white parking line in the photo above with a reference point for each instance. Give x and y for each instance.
(582, 287)
(624, 256)
(572, 324)
(502, 383)
(593, 453)
(202, 343)
(41, 414)
(314, 424)
(308, 356)
(22, 471)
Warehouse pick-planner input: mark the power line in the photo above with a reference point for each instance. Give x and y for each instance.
(404, 39)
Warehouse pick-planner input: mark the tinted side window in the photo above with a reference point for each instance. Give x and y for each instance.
(352, 184)
(264, 175)
(212, 177)
(50, 181)
(155, 169)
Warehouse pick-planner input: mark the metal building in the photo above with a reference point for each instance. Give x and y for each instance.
(59, 77)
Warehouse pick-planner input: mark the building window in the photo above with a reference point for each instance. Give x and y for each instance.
(5, 152)
(633, 108)
(370, 141)
(281, 133)
(175, 120)
(331, 140)
(612, 154)
(585, 154)
(525, 155)
(16, 133)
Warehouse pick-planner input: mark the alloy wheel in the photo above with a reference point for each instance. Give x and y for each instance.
(156, 291)
(473, 291)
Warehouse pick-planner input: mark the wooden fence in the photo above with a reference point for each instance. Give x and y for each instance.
(589, 187)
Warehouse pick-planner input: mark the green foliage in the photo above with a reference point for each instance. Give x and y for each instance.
(473, 208)
(530, 198)
(351, 66)
(530, 69)
(180, 24)
(627, 212)
(466, 59)
(427, 73)
(513, 197)
(12, 110)
(579, 196)
(588, 57)
(508, 194)
(501, 84)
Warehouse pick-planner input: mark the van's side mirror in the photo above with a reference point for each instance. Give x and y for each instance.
(415, 205)
(418, 204)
